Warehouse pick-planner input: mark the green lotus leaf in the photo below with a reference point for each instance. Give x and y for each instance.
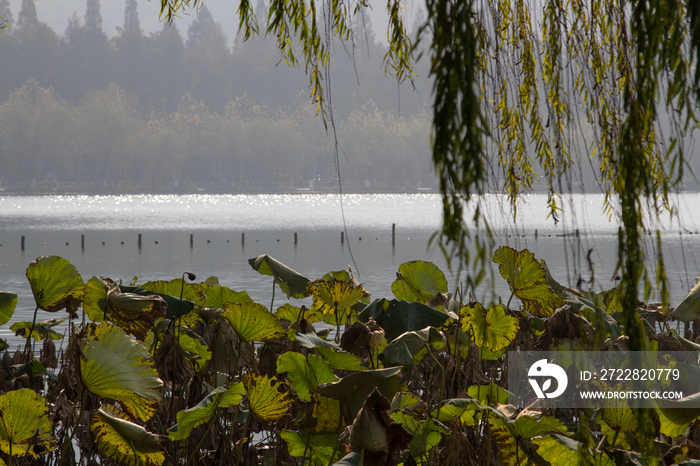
(670, 424)
(426, 434)
(493, 329)
(306, 373)
(119, 368)
(411, 347)
(3, 344)
(397, 317)
(96, 298)
(463, 409)
(332, 295)
(265, 397)
(489, 394)
(319, 447)
(308, 340)
(124, 441)
(559, 449)
(510, 436)
(24, 423)
(56, 284)
(197, 415)
(293, 313)
(193, 344)
(528, 280)
(253, 322)
(340, 360)
(676, 415)
(218, 295)
(420, 281)
(353, 390)
(406, 401)
(40, 331)
(688, 309)
(616, 421)
(292, 283)
(8, 303)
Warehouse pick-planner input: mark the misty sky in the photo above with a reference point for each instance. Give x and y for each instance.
(55, 13)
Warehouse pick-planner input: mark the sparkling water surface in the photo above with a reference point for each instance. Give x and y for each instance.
(53, 225)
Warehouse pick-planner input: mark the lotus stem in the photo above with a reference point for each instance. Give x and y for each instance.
(201, 442)
(442, 379)
(244, 437)
(362, 456)
(272, 303)
(337, 324)
(29, 336)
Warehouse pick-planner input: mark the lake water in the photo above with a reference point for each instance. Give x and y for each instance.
(53, 225)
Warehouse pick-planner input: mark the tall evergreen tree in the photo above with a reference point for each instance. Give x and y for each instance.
(27, 14)
(93, 17)
(131, 17)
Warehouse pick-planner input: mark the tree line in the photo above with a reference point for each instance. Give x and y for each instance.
(168, 106)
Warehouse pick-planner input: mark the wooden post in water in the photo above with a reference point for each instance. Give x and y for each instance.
(22, 242)
(191, 240)
(342, 237)
(139, 240)
(295, 238)
(242, 239)
(393, 234)
(82, 242)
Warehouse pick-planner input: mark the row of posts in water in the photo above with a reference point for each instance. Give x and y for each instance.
(296, 239)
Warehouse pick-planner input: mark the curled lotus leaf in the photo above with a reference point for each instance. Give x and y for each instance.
(252, 321)
(124, 441)
(24, 423)
(688, 309)
(397, 317)
(528, 280)
(133, 312)
(493, 329)
(292, 283)
(96, 298)
(419, 281)
(268, 398)
(118, 367)
(305, 373)
(56, 284)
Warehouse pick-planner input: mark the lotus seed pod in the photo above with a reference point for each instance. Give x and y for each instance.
(376, 338)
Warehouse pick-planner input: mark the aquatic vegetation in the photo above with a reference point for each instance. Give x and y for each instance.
(171, 372)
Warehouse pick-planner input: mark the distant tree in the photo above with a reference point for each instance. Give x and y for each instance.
(93, 18)
(87, 56)
(27, 14)
(132, 54)
(131, 17)
(208, 58)
(168, 75)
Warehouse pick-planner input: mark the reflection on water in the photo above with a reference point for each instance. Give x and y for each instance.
(111, 224)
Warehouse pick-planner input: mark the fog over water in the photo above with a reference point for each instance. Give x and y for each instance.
(53, 225)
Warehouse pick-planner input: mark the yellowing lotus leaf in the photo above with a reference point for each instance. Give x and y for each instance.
(419, 282)
(218, 295)
(24, 423)
(56, 284)
(318, 448)
(134, 313)
(330, 295)
(493, 329)
(265, 397)
(96, 298)
(125, 442)
(252, 321)
(118, 367)
(528, 280)
(190, 418)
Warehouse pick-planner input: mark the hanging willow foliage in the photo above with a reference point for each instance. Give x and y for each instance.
(527, 91)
